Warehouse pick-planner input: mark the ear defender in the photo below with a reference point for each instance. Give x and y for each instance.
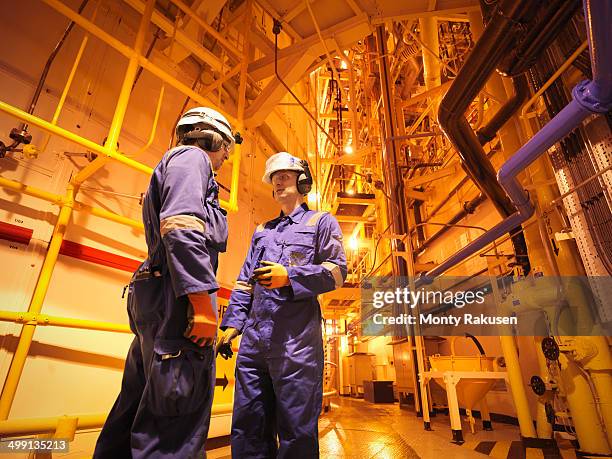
(304, 181)
(208, 140)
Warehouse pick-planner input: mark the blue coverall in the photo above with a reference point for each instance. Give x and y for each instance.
(279, 369)
(163, 409)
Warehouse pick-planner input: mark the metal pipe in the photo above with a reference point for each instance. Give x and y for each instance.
(160, 99)
(277, 26)
(123, 99)
(562, 124)
(62, 99)
(521, 90)
(27, 331)
(61, 132)
(32, 426)
(497, 38)
(553, 78)
(45, 72)
(31, 191)
(128, 52)
(399, 219)
(64, 322)
(59, 200)
(539, 37)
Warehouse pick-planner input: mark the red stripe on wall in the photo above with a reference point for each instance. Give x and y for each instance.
(22, 235)
(15, 233)
(100, 257)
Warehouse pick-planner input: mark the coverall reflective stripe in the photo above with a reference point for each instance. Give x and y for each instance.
(279, 369)
(163, 409)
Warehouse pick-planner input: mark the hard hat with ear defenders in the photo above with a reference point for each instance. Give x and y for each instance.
(284, 161)
(208, 128)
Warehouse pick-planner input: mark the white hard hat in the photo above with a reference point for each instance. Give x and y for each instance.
(208, 116)
(282, 161)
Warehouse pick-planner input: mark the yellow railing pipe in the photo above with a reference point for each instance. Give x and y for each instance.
(210, 30)
(123, 99)
(31, 191)
(27, 332)
(107, 38)
(62, 99)
(58, 200)
(108, 215)
(32, 426)
(25, 339)
(96, 31)
(64, 322)
(160, 99)
(70, 136)
(554, 76)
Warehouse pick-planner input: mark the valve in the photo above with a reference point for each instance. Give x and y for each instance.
(20, 136)
(537, 385)
(550, 348)
(30, 151)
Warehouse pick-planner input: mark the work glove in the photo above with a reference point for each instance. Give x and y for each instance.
(271, 275)
(224, 345)
(201, 320)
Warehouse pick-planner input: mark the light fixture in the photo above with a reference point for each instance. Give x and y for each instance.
(353, 243)
(348, 149)
(350, 191)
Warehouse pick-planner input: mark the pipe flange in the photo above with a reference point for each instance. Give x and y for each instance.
(537, 385)
(583, 94)
(550, 348)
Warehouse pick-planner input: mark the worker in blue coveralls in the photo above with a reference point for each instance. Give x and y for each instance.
(279, 369)
(163, 409)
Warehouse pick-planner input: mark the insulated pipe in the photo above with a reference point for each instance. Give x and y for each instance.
(521, 90)
(599, 35)
(583, 105)
(538, 38)
(431, 42)
(497, 39)
(397, 208)
(556, 129)
(581, 403)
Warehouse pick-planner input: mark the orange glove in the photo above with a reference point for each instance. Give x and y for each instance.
(271, 275)
(201, 320)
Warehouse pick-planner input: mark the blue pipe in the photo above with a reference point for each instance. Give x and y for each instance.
(589, 97)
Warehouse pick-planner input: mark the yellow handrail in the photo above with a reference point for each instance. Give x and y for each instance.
(65, 322)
